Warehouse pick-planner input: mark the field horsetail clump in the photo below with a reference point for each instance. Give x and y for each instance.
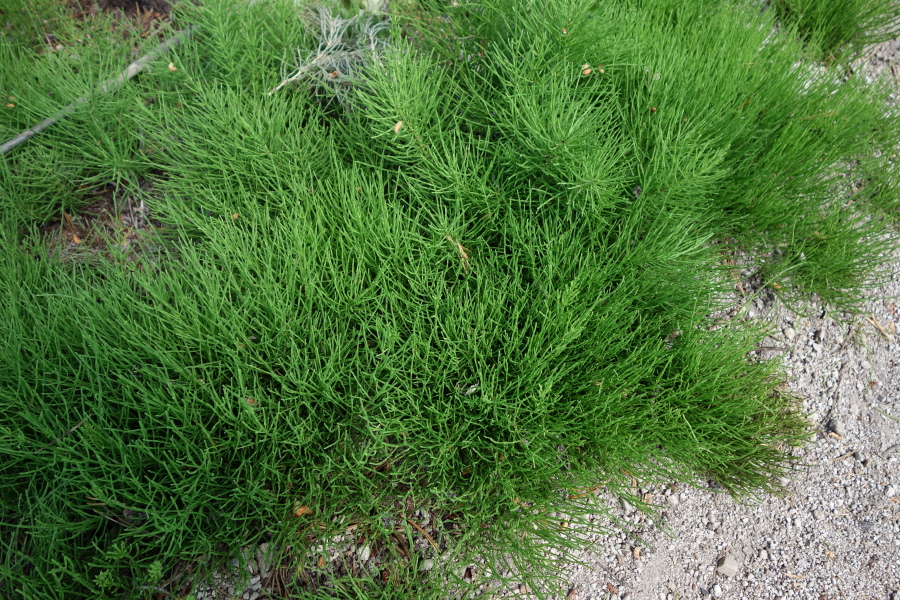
(405, 296)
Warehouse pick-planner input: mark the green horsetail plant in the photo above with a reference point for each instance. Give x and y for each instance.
(841, 26)
(479, 287)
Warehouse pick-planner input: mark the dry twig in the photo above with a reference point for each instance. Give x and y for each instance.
(107, 86)
(344, 47)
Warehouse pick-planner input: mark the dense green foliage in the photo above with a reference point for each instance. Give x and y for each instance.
(480, 283)
(838, 26)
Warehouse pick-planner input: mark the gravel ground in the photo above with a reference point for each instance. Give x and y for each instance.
(835, 533)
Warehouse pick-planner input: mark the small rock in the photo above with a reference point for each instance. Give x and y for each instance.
(727, 566)
(717, 591)
(838, 427)
(818, 515)
(254, 595)
(763, 555)
(626, 597)
(816, 347)
(261, 558)
(890, 491)
(859, 456)
(789, 333)
(364, 553)
(673, 500)
(427, 565)
(819, 335)
(625, 506)
(866, 365)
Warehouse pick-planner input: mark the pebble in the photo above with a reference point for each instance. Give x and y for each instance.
(818, 515)
(890, 491)
(261, 558)
(427, 565)
(625, 506)
(364, 553)
(673, 500)
(717, 591)
(727, 566)
(789, 333)
(816, 347)
(763, 555)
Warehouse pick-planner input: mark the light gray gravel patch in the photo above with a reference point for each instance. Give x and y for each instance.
(835, 533)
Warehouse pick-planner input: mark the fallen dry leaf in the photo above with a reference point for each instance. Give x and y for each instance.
(300, 510)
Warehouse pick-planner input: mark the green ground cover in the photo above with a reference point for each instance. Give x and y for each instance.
(465, 263)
